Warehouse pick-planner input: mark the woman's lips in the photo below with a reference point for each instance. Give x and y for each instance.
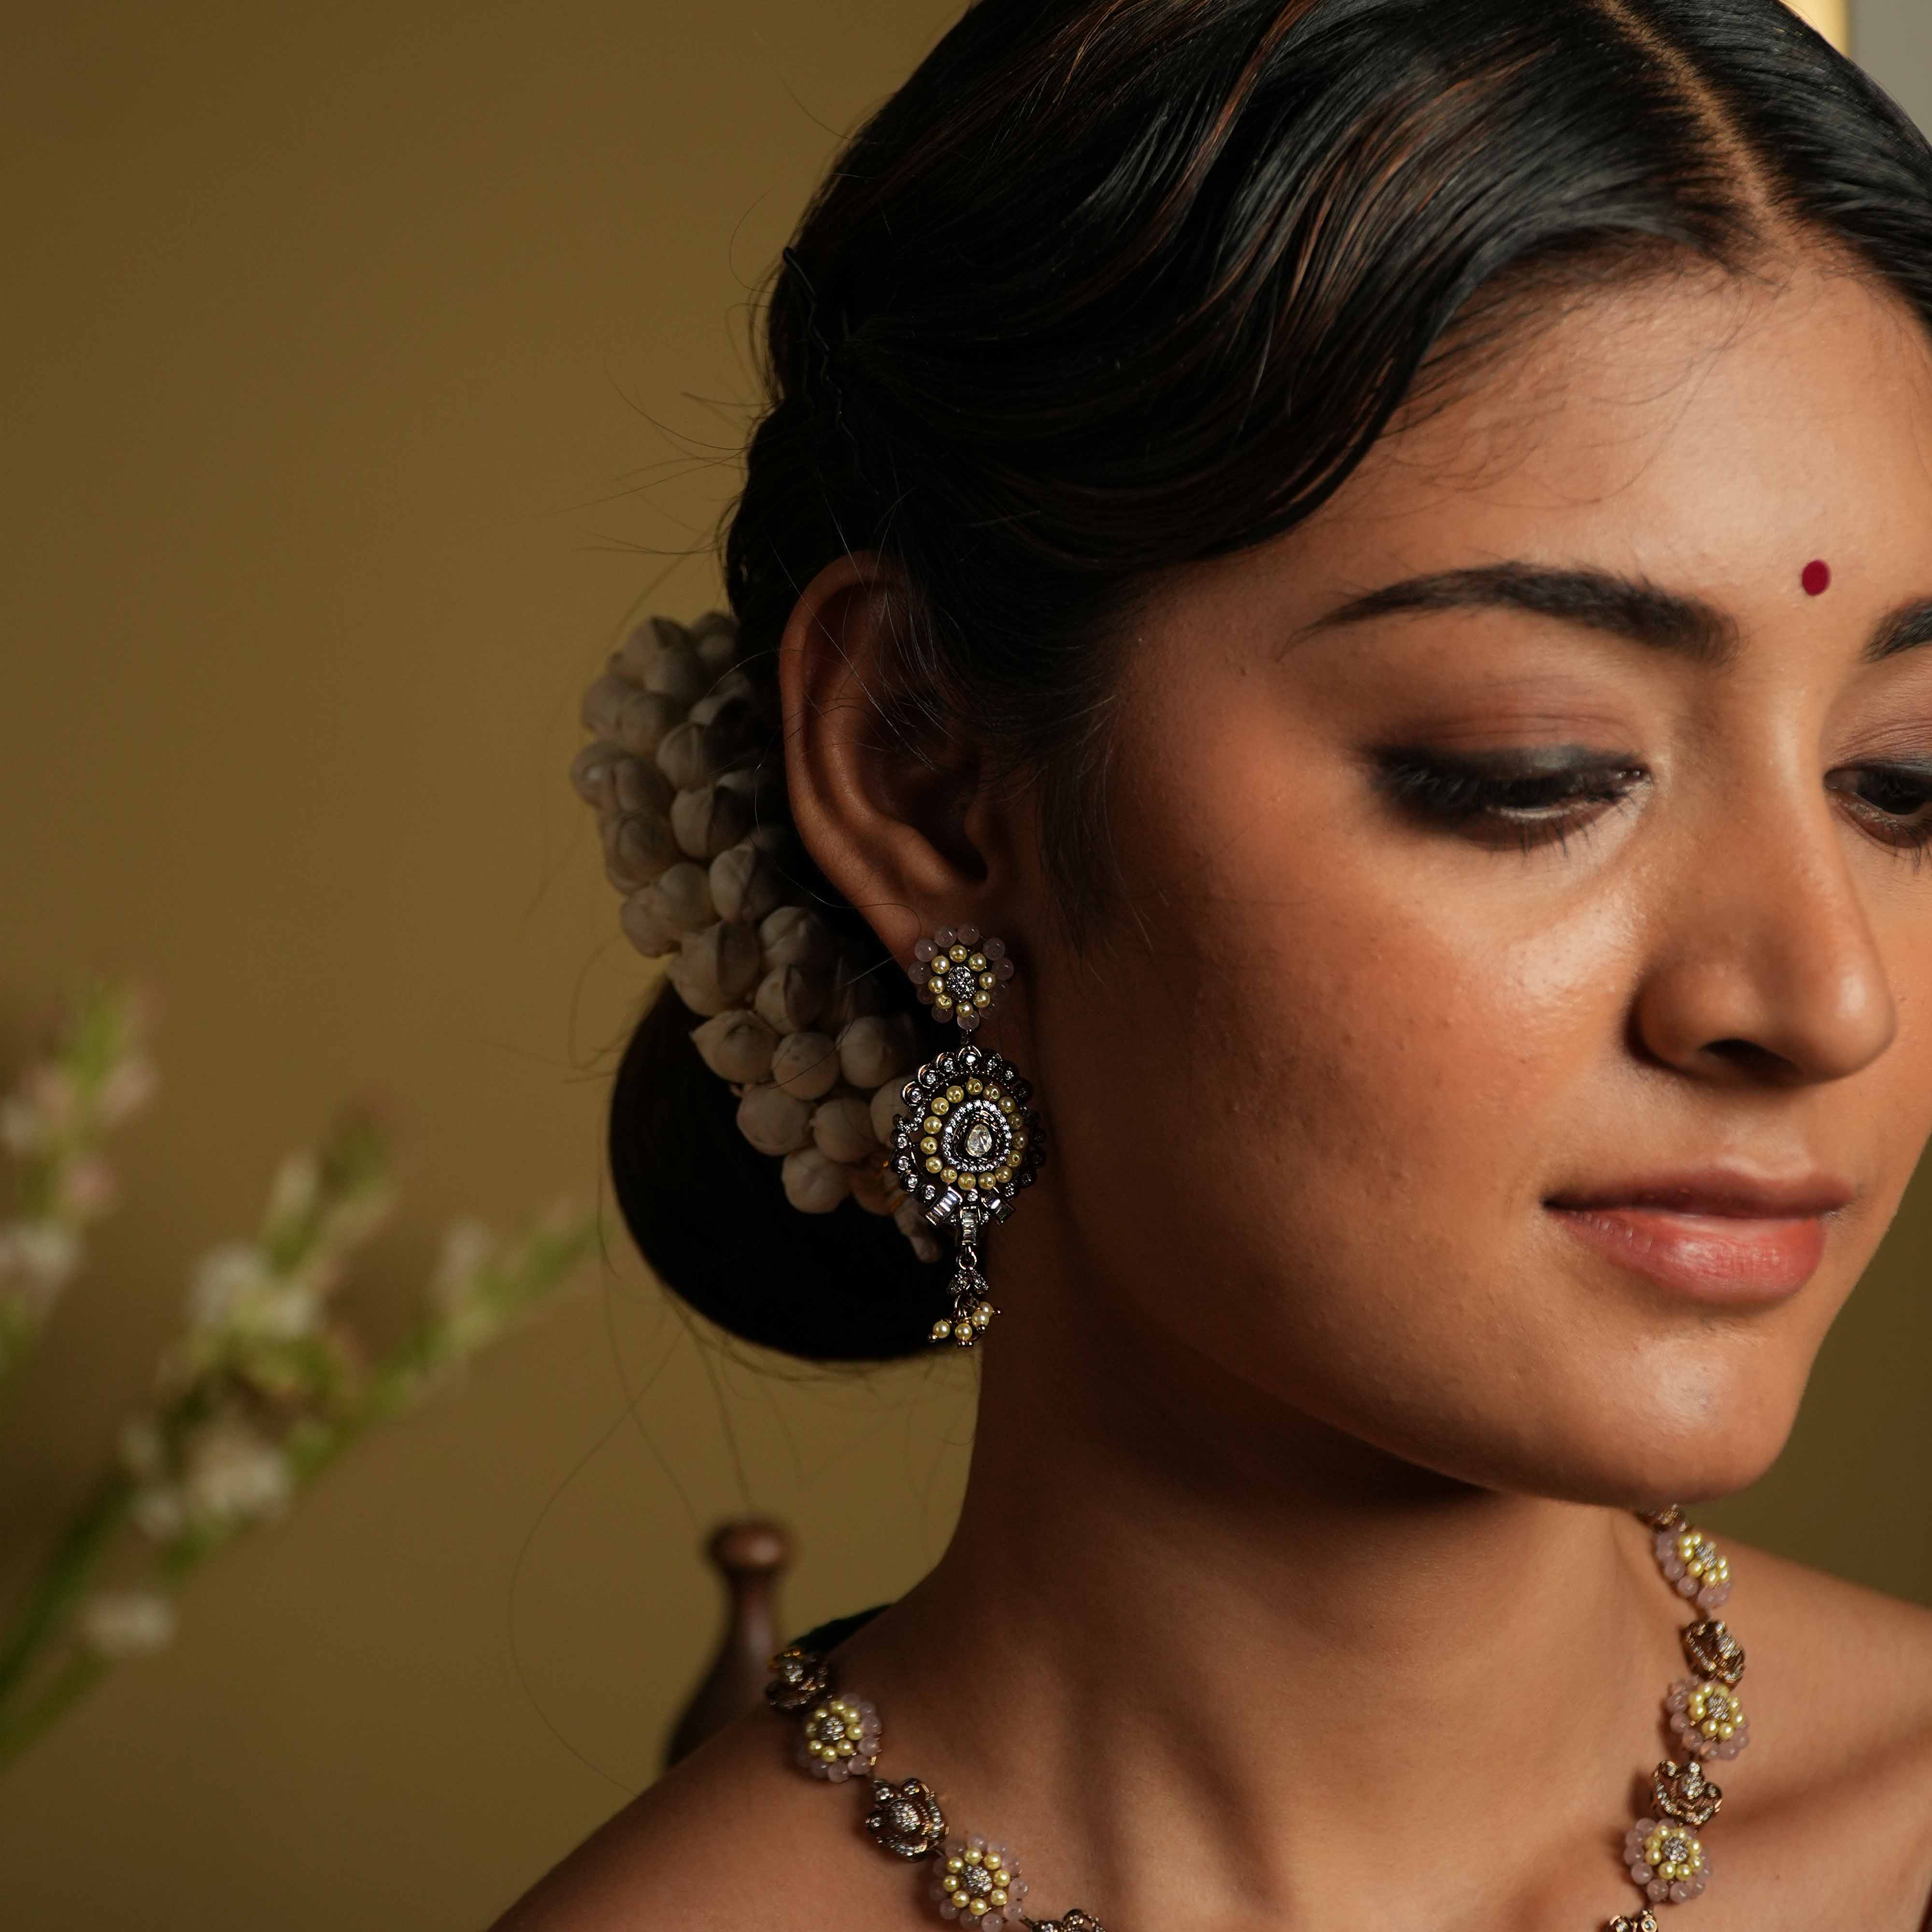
(1736, 1244)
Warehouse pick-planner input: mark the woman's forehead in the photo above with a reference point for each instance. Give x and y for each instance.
(1729, 433)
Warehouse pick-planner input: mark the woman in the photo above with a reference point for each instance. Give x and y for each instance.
(1380, 546)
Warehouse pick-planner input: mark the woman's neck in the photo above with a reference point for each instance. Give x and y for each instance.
(1192, 1653)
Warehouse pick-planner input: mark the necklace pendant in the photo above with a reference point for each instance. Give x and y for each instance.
(905, 1818)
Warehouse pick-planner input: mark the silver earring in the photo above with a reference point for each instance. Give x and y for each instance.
(967, 1144)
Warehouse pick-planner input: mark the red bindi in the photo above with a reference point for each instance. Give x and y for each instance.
(1817, 577)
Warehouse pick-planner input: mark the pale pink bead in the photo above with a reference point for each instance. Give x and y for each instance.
(1656, 1892)
(923, 949)
(969, 935)
(1003, 969)
(945, 936)
(995, 949)
(1642, 1873)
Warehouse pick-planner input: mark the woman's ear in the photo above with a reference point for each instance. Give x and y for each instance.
(898, 818)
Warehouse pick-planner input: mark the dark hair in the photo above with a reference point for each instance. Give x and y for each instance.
(1110, 286)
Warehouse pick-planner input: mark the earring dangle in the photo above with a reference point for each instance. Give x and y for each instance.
(969, 1143)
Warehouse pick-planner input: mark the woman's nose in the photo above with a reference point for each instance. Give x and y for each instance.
(1766, 967)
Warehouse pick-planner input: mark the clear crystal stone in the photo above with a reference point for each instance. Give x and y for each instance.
(978, 1140)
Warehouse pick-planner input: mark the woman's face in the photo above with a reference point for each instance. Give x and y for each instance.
(1517, 1039)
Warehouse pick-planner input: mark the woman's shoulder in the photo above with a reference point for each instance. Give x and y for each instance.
(734, 1835)
(1838, 1689)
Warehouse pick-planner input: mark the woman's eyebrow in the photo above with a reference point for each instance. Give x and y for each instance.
(1905, 629)
(1597, 600)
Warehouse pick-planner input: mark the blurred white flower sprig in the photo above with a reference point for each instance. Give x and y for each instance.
(53, 1126)
(264, 1386)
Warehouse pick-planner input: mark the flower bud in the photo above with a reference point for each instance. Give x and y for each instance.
(638, 849)
(675, 671)
(789, 998)
(683, 757)
(745, 884)
(773, 1120)
(642, 720)
(647, 925)
(842, 1129)
(633, 658)
(714, 637)
(875, 1048)
(637, 785)
(736, 1045)
(806, 1064)
(795, 935)
(813, 1184)
(716, 968)
(685, 891)
(593, 775)
(709, 820)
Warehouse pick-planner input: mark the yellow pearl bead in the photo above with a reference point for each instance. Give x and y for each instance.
(955, 953)
(941, 1104)
(949, 1174)
(932, 1163)
(973, 1858)
(931, 1125)
(942, 1005)
(982, 999)
(976, 1086)
(997, 1896)
(967, 1181)
(987, 980)
(940, 1330)
(956, 1094)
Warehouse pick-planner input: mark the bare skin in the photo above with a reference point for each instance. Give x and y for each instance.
(1295, 1584)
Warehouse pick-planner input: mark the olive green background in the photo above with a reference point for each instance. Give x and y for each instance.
(362, 366)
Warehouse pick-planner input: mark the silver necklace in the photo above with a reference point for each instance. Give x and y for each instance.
(977, 1882)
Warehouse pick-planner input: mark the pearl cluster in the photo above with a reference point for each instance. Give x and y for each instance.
(958, 975)
(978, 1883)
(1668, 1859)
(685, 774)
(840, 1737)
(1707, 1718)
(1693, 1564)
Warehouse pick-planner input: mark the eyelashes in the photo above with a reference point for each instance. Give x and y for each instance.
(1526, 798)
(1893, 802)
(1541, 795)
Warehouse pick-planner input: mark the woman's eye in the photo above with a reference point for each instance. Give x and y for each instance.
(1523, 798)
(1893, 802)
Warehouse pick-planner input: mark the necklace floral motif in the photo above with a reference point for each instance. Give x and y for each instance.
(977, 1880)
